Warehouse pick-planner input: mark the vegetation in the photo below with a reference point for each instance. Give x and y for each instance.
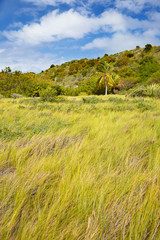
(87, 168)
(84, 167)
(140, 66)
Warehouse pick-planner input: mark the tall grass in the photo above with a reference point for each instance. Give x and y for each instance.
(146, 91)
(80, 170)
(153, 90)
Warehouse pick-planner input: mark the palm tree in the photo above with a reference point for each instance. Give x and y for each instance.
(108, 78)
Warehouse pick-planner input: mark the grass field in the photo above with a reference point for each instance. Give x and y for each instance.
(80, 169)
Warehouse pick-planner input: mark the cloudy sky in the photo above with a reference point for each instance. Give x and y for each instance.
(37, 33)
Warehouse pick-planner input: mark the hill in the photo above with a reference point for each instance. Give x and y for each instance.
(134, 67)
(140, 66)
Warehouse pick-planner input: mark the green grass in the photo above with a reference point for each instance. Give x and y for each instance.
(80, 169)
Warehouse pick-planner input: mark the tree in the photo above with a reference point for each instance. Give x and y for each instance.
(52, 65)
(7, 70)
(148, 47)
(104, 68)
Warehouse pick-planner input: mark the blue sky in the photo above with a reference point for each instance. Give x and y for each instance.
(37, 33)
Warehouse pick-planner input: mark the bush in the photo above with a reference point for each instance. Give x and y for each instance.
(49, 94)
(52, 66)
(148, 47)
(129, 82)
(130, 54)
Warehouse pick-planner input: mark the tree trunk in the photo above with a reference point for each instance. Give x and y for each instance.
(105, 78)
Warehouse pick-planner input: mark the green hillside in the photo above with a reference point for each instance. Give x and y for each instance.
(129, 69)
(133, 67)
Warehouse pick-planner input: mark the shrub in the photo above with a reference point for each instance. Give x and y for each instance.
(49, 94)
(148, 47)
(129, 82)
(130, 54)
(52, 66)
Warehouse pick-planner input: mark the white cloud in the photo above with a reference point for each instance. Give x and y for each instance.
(69, 2)
(70, 24)
(132, 5)
(136, 5)
(15, 25)
(125, 33)
(56, 26)
(49, 2)
(121, 41)
(2, 50)
(27, 59)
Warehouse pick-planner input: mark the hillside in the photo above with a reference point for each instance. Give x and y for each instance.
(134, 66)
(140, 66)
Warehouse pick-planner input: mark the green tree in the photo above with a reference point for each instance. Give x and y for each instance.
(7, 70)
(148, 47)
(104, 68)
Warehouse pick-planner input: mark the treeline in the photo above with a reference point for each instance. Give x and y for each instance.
(26, 84)
(29, 85)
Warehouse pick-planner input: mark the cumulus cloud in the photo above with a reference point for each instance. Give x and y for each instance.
(69, 2)
(121, 41)
(119, 31)
(136, 5)
(49, 2)
(70, 24)
(56, 26)
(133, 5)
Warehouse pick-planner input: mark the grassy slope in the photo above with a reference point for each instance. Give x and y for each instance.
(80, 171)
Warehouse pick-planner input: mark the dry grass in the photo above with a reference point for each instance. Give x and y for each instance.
(77, 170)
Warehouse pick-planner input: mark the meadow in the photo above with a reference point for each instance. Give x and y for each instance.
(80, 168)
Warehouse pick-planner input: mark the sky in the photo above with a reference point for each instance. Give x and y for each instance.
(37, 33)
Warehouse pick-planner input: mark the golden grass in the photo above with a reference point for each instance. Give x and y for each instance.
(76, 170)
